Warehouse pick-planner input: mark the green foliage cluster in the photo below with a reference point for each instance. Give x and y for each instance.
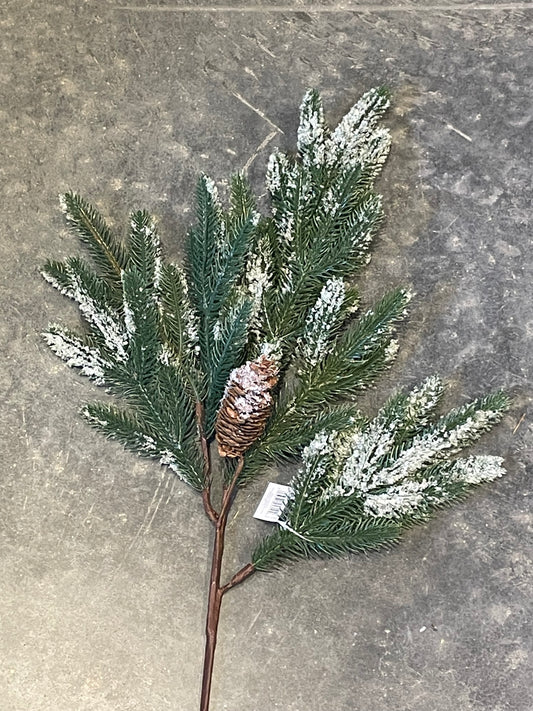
(362, 486)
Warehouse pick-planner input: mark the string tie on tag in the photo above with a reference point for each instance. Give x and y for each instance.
(286, 527)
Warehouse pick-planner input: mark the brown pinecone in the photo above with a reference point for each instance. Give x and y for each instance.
(246, 406)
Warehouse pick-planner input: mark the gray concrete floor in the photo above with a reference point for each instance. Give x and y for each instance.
(104, 557)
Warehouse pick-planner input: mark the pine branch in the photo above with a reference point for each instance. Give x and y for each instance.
(218, 250)
(142, 325)
(358, 488)
(79, 352)
(359, 354)
(283, 546)
(229, 345)
(332, 241)
(108, 253)
(96, 301)
(396, 468)
(324, 211)
(258, 341)
(141, 301)
(125, 351)
(202, 245)
(145, 249)
(179, 325)
(356, 358)
(137, 435)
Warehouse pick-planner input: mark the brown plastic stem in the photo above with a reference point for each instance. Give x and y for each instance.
(209, 509)
(216, 591)
(213, 614)
(239, 577)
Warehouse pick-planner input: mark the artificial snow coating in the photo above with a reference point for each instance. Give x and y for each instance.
(189, 319)
(211, 188)
(312, 130)
(391, 479)
(116, 339)
(321, 320)
(253, 383)
(356, 140)
(76, 354)
(258, 277)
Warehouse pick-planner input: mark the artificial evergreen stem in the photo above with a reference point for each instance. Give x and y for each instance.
(216, 591)
(239, 577)
(213, 614)
(210, 511)
(208, 507)
(172, 342)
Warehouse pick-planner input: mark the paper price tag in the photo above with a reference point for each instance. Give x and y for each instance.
(273, 502)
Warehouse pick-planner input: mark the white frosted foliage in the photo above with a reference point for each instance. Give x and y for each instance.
(169, 459)
(63, 205)
(476, 470)
(217, 330)
(285, 179)
(391, 351)
(423, 399)
(116, 339)
(311, 131)
(356, 140)
(211, 189)
(258, 277)
(316, 459)
(277, 166)
(412, 494)
(321, 319)
(77, 355)
(148, 444)
(286, 226)
(434, 446)
(366, 448)
(319, 446)
(272, 350)
(393, 473)
(400, 500)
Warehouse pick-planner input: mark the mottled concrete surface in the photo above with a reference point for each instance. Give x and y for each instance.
(104, 558)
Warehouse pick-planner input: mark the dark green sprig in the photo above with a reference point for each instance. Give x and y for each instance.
(217, 253)
(108, 253)
(141, 436)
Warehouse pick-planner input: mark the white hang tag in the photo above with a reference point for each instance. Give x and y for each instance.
(273, 502)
